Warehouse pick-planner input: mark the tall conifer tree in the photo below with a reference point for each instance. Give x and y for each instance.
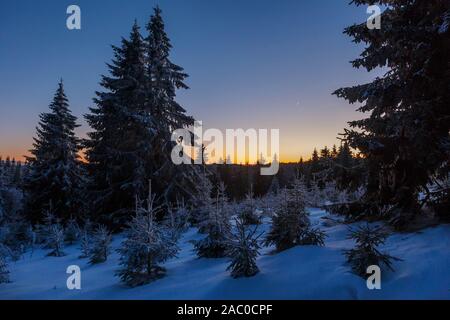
(119, 148)
(165, 78)
(406, 136)
(55, 176)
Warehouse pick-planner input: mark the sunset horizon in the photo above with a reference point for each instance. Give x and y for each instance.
(304, 111)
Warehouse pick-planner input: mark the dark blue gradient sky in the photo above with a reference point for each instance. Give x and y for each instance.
(252, 63)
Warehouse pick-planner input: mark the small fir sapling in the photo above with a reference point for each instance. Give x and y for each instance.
(100, 245)
(72, 231)
(218, 229)
(177, 220)
(204, 202)
(290, 223)
(249, 211)
(85, 244)
(243, 249)
(85, 238)
(366, 252)
(146, 247)
(44, 232)
(55, 240)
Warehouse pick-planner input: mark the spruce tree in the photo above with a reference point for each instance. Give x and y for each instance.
(55, 240)
(55, 169)
(249, 209)
(119, 148)
(164, 79)
(203, 200)
(17, 234)
(85, 243)
(243, 249)
(315, 165)
(218, 228)
(72, 231)
(290, 224)
(405, 138)
(177, 219)
(146, 247)
(100, 245)
(86, 238)
(366, 251)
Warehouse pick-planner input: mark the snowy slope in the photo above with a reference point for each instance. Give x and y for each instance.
(299, 273)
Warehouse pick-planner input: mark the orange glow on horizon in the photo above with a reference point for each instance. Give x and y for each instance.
(283, 159)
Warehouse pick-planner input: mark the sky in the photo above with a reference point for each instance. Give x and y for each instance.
(262, 64)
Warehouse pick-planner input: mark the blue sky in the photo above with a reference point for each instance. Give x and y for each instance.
(252, 63)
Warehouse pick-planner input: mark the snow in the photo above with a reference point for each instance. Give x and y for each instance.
(299, 273)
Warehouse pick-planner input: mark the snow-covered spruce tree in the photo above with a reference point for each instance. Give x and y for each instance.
(406, 137)
(100, 245)
(39, 234)
(85, 243)
(203, 201)
(249, 209)
(85, 238)
(366, 252)
(217, 226)
(119, 148)
(43, 231)
(4, 272)
(55, 172)
(55, 240)
(17, 234)
(146, 247)
(165, 78)
(177, 219)
(224, 201)
(290, 223)
(15, 231)
(72, 231)
(243, 249)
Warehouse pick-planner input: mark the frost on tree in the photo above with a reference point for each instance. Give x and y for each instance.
(55, 173)
(85, 238)
(249, 212)
(119, 148)
(72, 231)
(85, 244)
(100, 245)
(405, 137)
(132, 124)
(55, 240)
(290, 224)
(243, 249)
(16, 233)
(203, 201)
(177, 219)
(366, 252)
(43, 231)
(165, 78)
(147, 246)
(217, 228)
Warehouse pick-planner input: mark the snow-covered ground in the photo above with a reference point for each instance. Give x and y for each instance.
(300, 273)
